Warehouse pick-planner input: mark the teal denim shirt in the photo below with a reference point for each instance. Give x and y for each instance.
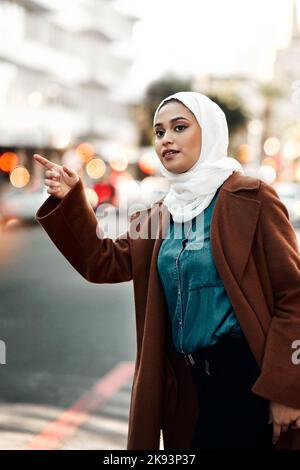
(198, 304)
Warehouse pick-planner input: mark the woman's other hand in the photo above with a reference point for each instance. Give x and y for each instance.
(282, 417)
(59, 179)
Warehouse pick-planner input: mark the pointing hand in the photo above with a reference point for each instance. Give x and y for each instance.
(60, 179)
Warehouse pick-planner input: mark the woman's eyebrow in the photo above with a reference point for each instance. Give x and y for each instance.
(172, 120)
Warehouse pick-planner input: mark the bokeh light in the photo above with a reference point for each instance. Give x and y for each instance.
(255, 127)
(269, 161)
(71, 158)
(91, 196)
(85, 151)
(96, 168)
(122, 178)
(147, 164)
(244, 153)
(19, 177)
(267, 174)
(120, 164)
(272, 146)
(61, 139)
(291, 150)
(8, 161)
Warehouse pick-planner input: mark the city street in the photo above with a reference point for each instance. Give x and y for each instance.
(70, 347)
(63, 336)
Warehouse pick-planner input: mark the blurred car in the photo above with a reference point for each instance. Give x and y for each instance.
(21, 203)
(289, 193)
(105, 193)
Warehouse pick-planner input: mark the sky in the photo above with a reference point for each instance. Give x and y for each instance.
(221, 37)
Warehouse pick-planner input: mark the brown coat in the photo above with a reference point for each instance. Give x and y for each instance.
(256, 254)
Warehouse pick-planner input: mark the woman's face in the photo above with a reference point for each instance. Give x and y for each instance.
(176, 128)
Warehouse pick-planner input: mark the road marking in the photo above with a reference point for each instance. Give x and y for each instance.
(62, 428)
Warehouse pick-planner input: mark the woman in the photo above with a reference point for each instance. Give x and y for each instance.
(214, 364)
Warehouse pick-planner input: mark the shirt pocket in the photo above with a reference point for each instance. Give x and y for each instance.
(200, 268)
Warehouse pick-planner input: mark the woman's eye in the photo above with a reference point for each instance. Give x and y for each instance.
(160, 133)
(157, 133)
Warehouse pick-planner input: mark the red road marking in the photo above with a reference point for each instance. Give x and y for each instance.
(63, 427)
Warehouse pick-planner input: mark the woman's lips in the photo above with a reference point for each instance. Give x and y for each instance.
(168, 156)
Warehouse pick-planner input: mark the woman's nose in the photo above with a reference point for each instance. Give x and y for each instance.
(167, 138)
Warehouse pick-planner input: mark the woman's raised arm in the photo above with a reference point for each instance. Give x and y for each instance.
(70, 222)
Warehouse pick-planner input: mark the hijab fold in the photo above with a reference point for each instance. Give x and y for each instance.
(192, 191)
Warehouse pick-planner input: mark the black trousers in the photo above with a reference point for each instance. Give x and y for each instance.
(231, 416)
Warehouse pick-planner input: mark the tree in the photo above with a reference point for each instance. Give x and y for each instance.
(232, 106)
(155, 93)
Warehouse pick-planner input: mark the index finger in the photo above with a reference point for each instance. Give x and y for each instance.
(43, 161)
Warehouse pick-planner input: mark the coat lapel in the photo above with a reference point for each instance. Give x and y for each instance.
(234, 224)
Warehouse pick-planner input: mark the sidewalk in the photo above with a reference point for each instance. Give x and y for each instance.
(98, 420)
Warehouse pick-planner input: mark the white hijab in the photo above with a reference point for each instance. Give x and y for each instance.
(191, 192)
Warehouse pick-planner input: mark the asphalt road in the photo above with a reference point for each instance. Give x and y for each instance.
(70, 347)
(61, 333)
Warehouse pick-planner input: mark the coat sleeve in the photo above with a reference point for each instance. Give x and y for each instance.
(73, 227)
(279, 380)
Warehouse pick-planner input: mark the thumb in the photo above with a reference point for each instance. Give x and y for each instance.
(68, 170)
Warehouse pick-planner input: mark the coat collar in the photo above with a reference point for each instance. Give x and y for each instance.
(237, 181)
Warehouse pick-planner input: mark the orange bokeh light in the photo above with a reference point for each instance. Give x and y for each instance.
(270, 162)
(85, 151)
(244, 153)
(8, 161)
(146, 164)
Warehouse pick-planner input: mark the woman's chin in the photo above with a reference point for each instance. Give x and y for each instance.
(175, 168)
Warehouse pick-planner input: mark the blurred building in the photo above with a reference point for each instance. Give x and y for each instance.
(61, 66)
(239, 90)
(286, 114)
(287, 72)
(272, 138)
